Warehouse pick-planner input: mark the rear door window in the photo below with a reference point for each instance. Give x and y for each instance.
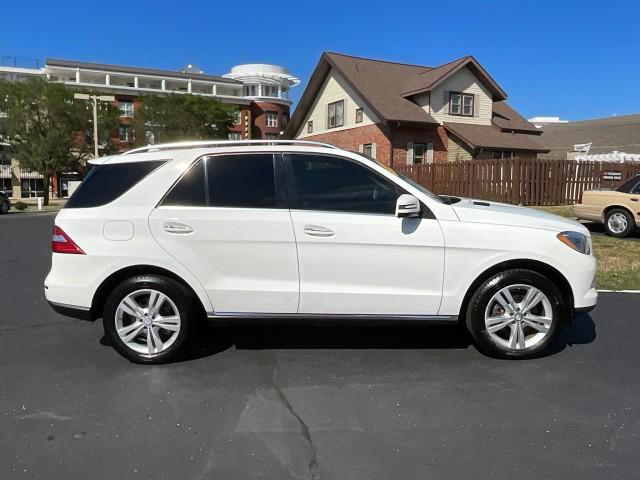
(246, 181)
(104, 183)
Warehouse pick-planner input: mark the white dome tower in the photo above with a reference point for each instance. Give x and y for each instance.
(264, 82)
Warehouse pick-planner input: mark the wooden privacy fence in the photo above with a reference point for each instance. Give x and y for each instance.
(526, 182)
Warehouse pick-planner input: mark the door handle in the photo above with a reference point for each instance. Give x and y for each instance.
(318, 231)
(176, 227)
(634, 199)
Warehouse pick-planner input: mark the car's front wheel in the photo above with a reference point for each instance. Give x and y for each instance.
(147, 318)
(515, 314)
(618, 223)
(4, 207)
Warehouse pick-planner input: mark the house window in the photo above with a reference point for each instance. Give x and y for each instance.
(359, 115)
(272, 119)
(236, 117)
(234, 135)
(367, 149)
(271, 136)
(419, 150)
(502, 154)
(461, 104)
(335, 114)
(126, 109)
(285, 121)
(125, 133)
(310, 126)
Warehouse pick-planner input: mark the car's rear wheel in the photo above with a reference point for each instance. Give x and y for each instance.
(147, 318)
(4, 207)
(515, 314)
(618, 223)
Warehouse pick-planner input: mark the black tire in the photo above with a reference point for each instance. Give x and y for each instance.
(630, 223)
(4, 207)
(479, 303)
(183, 300)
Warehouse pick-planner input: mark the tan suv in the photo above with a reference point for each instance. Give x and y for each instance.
(618, 209)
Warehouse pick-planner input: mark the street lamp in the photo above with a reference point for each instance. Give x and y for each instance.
(95, 99)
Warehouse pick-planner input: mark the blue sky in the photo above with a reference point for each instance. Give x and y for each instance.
(576, 59)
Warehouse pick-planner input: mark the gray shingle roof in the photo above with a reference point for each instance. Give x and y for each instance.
(607, 135)
(387, 86)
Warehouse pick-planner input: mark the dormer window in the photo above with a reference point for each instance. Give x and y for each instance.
(461, 104)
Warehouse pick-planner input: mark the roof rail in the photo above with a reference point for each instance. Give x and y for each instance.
(223, 143)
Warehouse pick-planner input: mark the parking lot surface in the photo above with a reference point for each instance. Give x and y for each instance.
(279, 402)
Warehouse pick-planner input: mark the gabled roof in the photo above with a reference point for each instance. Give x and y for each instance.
(385, 86)
(379, 83)
(488, 136)
(53, 62)
(506, 118)
(430, 79)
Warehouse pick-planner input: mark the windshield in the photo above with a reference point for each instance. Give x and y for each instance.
(413, 183)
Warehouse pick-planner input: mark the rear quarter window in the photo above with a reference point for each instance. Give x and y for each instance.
(104, 183)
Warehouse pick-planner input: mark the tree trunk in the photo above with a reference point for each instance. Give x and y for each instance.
(45, 183)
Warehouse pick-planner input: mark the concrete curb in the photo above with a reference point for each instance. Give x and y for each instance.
(619, 291)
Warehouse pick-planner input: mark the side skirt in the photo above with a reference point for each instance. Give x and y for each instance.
(327, 319)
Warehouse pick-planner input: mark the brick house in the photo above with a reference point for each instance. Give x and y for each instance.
(406, 114)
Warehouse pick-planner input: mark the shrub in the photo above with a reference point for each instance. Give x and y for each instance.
(20, 205)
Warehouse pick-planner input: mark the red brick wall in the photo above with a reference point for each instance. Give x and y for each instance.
(244, 127)
(259, 118)
(352, 138)
(391, 142)
(435, 134)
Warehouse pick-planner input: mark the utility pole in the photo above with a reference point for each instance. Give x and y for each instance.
(94, 100)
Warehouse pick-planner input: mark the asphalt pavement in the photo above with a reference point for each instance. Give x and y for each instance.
(304, 402)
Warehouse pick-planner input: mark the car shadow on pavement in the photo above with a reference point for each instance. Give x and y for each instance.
(215, 338)
(581, 331)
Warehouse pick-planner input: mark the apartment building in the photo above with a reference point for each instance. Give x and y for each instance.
(260, 92)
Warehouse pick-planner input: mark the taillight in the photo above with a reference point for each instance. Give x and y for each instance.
(62, 243)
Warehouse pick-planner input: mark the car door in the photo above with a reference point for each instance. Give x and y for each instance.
(355, 256)
(225, 221)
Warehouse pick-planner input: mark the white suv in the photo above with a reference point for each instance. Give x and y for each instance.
(157, 239)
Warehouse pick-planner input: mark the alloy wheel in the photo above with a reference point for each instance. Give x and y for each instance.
(147, 321)
(518, 317)
(617, 222)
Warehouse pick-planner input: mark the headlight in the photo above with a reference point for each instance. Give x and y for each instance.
(578, 241)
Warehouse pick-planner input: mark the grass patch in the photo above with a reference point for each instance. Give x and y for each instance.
(618, 259)
(618, 263)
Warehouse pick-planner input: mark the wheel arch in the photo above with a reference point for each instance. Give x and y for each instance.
(608, 208)
(535, 265)
(109, 283)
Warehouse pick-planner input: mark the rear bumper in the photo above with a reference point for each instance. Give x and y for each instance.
(73, 311)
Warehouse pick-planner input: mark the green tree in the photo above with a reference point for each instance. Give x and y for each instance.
(47, 130)
(182, 117)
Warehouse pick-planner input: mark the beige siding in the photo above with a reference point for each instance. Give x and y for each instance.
(457, 151)
(335, 89)
(437, 104)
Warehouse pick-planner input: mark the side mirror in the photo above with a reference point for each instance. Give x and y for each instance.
(407, 206)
